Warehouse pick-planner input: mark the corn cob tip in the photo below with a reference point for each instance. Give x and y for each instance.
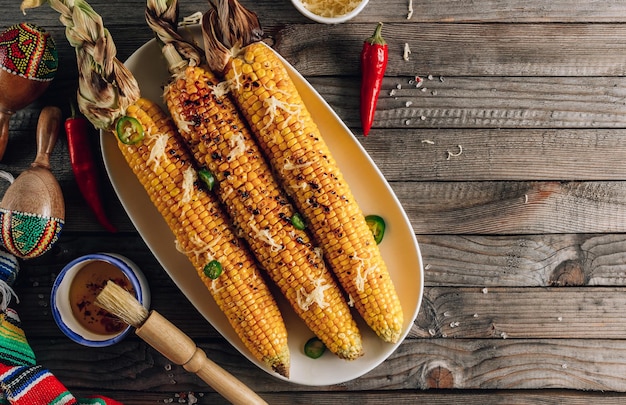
(280, 363)
(389, 335)
(351, 353)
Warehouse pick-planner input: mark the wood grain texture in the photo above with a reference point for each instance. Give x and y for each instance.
(557, 260)
(463, 49)
(487, 364)
(526, 313)
(400, 397)
(513, 207)
(498, 154)
(448, 11)
(499, 104)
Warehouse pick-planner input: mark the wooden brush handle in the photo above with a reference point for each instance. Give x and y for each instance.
(172, 343)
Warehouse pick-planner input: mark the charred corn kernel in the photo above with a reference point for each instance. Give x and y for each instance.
(202, 232)
(271, 104)
(221, 141)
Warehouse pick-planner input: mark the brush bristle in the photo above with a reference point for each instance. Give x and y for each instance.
(122, 304)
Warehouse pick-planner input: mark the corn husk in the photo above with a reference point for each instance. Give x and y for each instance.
(105, 86)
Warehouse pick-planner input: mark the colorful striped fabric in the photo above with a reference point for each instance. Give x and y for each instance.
(22, 381)
(29, 385)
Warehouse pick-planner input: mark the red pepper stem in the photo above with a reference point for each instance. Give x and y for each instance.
(72, 110)
(377, 37)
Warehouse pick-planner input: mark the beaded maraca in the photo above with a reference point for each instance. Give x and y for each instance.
(32, 210)
(28, 63)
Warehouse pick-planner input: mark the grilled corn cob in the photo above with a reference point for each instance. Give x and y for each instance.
(108, 91)
(220, 140)
(203, 234)
(296, 150)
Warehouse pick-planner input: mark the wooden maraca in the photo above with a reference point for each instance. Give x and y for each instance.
(32, 210)
(28, 63)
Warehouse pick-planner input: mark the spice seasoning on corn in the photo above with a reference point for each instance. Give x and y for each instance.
(220, 140)
(203, 233)
(272, 106)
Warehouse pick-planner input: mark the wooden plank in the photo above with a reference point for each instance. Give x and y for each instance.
(500, 102)
(504, 364)
(494, 11)
(557, 260)
(513, 207)
(583, 364)
(505, 105)
(464, 49)
(447, 397)
(400, 397)
(497, 154)
(503, 313)
(277, 13)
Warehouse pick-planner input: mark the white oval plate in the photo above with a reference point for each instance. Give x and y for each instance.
(399, 247)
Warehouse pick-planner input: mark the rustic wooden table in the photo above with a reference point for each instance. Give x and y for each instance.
(508, 161)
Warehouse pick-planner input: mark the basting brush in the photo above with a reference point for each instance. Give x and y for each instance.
(175, 345)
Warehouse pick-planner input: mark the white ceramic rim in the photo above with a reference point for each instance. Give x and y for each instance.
(62, 313)
(329, 20)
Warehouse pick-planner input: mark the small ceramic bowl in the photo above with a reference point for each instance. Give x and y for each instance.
(329, 20)
(68, 319)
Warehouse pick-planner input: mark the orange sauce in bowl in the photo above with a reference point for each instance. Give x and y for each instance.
(86, 286)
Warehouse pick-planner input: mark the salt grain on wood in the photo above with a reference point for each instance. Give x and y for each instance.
(407, 51)
(450, 154)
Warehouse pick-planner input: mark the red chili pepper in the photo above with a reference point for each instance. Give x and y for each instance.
(84, 167)
(373, 64)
